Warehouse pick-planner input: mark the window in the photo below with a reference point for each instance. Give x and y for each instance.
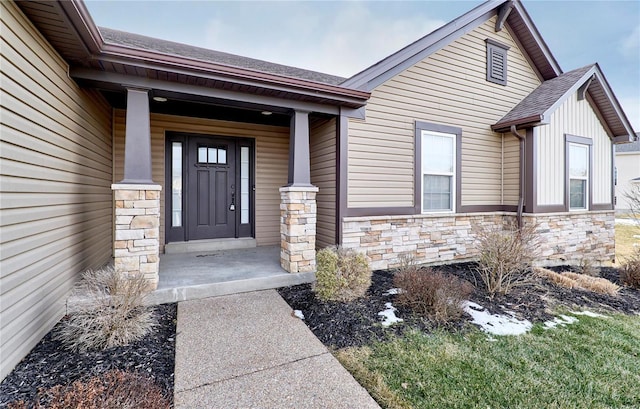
(496, 62)
(438, 171)
(176, 184)
(578, 169)
(578, 176)
(212, 155)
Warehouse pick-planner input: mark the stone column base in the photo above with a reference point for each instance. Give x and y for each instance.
(298, 228)
(137, 230)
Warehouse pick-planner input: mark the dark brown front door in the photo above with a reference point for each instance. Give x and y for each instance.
(211, 193)
(210, 187)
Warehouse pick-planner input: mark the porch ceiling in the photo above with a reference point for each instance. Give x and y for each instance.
(209, 108)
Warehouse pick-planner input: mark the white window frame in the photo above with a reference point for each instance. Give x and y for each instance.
(584, 178)
(452, 174)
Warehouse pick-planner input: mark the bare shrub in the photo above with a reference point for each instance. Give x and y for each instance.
(587, 267)
(506, 257)
(114, 316)
(630, 270)
(342, 274)
(432, 293)
(632, 195)
(574, 280)
(406, 261)
(111, 390)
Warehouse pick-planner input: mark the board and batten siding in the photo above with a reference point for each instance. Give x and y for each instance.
(272, 162)
(449, 88)
(322, 146)
(575, 118)
(55, 177)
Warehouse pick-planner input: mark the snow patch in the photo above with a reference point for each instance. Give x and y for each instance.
(392, 291)
(389, 315)
(588, 314)
(299, 314)
(560, 321)
(495, 324)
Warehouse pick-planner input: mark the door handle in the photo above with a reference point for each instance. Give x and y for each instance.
(232, 206)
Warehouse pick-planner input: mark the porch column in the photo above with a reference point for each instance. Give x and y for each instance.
(137, 143)
(299, 162)
(136, 198)
(298, 203)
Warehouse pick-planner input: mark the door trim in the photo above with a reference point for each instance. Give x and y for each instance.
(180, 234)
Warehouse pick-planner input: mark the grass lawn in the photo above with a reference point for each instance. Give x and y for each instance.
(594, 363)
(625, 241)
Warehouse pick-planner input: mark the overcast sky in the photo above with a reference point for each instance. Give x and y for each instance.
(345, 37)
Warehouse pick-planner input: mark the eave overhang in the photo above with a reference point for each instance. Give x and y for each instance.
(145, 63)
(591, 85)
(69, 28)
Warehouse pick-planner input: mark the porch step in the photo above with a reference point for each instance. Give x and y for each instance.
(195, 292)
(209, 245)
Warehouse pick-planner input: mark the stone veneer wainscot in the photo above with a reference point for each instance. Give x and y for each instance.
(298, 228)
(137, 225)
(564, 238)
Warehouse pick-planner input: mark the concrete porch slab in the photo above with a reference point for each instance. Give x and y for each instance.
(196, 275)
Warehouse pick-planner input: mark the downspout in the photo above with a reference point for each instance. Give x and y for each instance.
(521, 138)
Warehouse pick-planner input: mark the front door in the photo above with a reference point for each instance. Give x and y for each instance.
(211, 193)
(211, 179)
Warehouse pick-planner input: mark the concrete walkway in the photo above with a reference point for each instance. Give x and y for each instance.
(249, 351)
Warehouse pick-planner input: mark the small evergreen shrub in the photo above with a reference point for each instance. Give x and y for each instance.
(111, 390)
(342, 274)
(432, 293)
(506, 257)
(630, 271)
(114, 316)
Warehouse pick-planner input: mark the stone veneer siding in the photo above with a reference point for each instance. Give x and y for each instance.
(567, 238)
(298, 228)
(438, 239)
(137, 230)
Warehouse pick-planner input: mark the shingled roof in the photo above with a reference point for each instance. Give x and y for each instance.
(533, 107)
(137, 41)
(630, 147)
(537, 107)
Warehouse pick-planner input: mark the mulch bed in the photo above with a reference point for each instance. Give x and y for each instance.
(337, 325)
(357, 323)
(50, 364)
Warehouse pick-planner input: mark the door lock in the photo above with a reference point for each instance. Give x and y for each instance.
(232, 206)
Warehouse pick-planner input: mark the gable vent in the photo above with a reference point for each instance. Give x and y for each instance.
(496, 62)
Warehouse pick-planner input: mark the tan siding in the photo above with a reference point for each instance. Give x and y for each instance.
(56, 200)
(323, 175)
(576, 118)
(447, 88)
(511, 172)
(272, 147)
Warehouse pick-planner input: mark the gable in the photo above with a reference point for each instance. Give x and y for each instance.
(450, 88)
(572, 117)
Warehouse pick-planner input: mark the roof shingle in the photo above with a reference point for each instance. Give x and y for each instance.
(534, 105)
(630, 147)
(131, 40)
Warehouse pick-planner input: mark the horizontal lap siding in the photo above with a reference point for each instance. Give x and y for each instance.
(448, 88)
(628, 166)
(323, 175)
(272, 156)
(575, 118)
(56, 200)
